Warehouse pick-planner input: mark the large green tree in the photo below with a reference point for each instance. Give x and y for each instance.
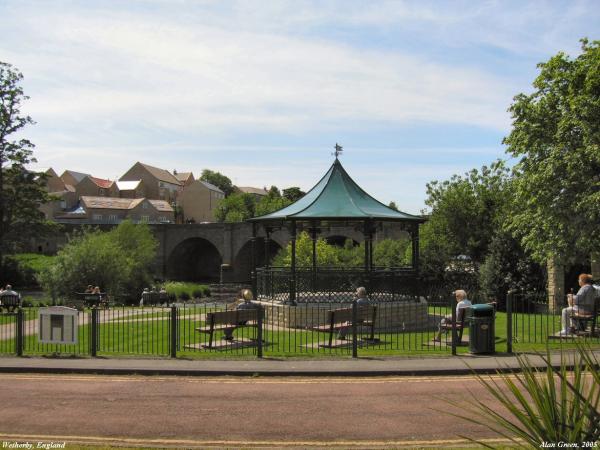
(556, 136)
(119, 261)
(21, 191)
(219, 180)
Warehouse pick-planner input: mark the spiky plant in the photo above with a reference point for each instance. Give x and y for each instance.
(548, 405)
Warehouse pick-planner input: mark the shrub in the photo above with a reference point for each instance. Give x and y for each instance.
(184, 296)
(22, 269)
(197, 293)
(555, 404)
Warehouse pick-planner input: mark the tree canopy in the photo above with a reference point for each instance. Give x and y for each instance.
(219, 180)
(21, 191)
(556, 136)
(119, 261)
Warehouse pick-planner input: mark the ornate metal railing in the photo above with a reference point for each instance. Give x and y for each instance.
(335, 284)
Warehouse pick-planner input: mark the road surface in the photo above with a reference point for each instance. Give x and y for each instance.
(236, 412)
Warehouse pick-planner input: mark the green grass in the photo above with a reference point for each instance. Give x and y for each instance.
(193, 290)
(147, 332)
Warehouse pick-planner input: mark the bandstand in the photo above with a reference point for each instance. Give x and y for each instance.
(301, 296)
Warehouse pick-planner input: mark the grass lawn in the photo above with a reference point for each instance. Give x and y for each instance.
(146, 332)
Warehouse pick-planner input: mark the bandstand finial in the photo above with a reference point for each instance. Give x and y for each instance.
(338, 150)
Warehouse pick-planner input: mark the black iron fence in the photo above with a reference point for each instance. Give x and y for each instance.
(324, 285)
(338, 327)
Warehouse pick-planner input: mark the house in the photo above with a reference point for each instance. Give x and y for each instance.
(53, 182)
(97, 210)
(73, 178)
(96, 187)
(199, 201)
(158, 183)
(186, 178)
(258, 193)
(130, 189)
(60, 202)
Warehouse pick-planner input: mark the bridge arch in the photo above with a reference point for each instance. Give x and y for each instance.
(194, 259)
(242, 263)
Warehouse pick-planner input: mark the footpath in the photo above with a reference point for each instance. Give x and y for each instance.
(361, 367)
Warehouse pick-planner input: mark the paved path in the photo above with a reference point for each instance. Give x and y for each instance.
(233, 412)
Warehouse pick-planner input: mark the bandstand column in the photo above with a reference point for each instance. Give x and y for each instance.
(313, 237)
(415, 248)
(293, 267)
(267, 245)
(253, 273)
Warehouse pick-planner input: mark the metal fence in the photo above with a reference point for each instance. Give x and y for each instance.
(325, 328)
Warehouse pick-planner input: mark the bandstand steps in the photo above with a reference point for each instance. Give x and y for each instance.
(227, 292)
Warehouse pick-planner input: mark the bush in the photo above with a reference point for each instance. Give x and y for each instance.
(119, 261)
(555, 404)
(192, 290)
(197, 293)
(22, 269)
(184, 296)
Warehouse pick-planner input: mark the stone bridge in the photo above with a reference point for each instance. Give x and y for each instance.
(195, 252)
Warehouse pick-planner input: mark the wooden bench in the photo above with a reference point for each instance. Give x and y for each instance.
(155, 298)
(10, 302)
(582, 319)
(88, 300)
(461, 323)
(229, 320)
(338, 319)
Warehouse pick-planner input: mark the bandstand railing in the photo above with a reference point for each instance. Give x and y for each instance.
(337, 284)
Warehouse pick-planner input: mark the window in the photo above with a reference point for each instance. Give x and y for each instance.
(97, 217)
(63, 204)
(144, 218)
(145, 205)
(101, 192)
(112, 218)
(162, 219)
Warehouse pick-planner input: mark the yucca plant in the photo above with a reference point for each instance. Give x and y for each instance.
(549, 405)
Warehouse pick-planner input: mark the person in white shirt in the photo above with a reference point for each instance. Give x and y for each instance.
(461, 302)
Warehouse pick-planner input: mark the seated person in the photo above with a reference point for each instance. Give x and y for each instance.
(89, 289)
(145, 291)
(9, 292)
(361, 300)
(580, 303)
(244, 303)
(462, 302)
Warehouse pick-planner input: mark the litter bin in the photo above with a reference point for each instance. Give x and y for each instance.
(481, 329)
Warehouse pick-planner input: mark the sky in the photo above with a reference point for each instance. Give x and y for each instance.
(261, 91)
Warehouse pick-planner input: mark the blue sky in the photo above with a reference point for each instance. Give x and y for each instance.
(262, 91)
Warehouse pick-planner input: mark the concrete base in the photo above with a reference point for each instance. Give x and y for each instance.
(394, 316)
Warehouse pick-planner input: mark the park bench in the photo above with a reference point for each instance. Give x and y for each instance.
(461, 323)
(87, 300)
(582, 319)
(223, 320)
(338, 319)
(10, 302)
(155, 298)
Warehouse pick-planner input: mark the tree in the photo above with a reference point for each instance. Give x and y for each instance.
(273, 201)
(393, 206)
(556, 135)
(465, 213)
(119, 261)
(236, 208)
(219, 180)
(21, 191)
(293, 193)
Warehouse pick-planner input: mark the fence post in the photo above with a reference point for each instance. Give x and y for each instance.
(19, 341)
(173, 331)
(454, 333)
(354, 336)
(259, 332)
(94, 339)
(509, 328)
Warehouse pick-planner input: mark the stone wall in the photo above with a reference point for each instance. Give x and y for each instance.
(391, 316)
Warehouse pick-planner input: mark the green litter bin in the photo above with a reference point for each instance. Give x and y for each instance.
(482, 337)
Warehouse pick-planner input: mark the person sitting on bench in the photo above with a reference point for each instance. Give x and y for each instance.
(361, 300)
(462, 302)
(244, 303)
(580, 303)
